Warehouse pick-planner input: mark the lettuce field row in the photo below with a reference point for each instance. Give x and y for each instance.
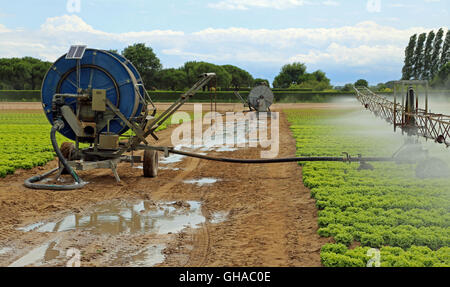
(388, 208)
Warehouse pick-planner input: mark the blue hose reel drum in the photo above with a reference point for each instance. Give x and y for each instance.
(98, 70)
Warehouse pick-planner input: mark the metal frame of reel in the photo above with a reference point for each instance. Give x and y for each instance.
(142, 127)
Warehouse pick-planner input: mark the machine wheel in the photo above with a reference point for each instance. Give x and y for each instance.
(66, 149)
(151, 163)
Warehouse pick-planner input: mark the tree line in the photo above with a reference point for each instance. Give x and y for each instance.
(427, 57)
(294, 76)
(27, 73)
(155, 77)
(291, 76)
(22, 74)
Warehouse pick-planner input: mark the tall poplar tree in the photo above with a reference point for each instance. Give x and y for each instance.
(436, 57)
(427, 56)
(445, 58)
(419, 57)
(409, 55)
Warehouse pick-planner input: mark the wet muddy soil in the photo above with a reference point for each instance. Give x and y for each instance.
(195, 213)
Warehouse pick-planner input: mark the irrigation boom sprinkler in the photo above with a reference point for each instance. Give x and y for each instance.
(94, 97)
(407, 115)
(413, 121)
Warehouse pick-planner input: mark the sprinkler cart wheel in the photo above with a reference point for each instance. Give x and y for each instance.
(151, 163)
(66, 149)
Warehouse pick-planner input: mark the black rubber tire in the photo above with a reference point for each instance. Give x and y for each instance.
(66, 149)
(151, 163)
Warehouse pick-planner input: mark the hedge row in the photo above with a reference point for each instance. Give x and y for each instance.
(274, 89)
(169, 96)
(229, 97)
(221, 96)
(20, 96)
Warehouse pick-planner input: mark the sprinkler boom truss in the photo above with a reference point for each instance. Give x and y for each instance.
(407, 114)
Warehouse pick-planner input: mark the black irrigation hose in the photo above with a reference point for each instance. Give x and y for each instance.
(31, 182)
(284, 160)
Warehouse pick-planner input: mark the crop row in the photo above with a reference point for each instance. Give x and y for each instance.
(387, 207)
(25, 141)
(338, 255)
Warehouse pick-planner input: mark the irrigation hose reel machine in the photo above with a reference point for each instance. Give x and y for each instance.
(260, 98)
(93, 97)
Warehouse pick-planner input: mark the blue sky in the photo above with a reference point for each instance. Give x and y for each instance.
(348, 39)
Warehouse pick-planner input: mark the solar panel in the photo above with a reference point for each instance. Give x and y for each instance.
(80, 52)
(71, 52)
(76, 52)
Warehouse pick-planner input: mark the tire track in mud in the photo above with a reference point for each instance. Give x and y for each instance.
(200, 236)
(192, 164)
(201, 240)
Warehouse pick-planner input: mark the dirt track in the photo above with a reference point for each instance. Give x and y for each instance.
(270, 218)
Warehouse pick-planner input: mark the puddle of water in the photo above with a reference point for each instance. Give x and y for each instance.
(168, 168)
(218, 217)
(202, 181)
(5, 250)
(39, 255)
(161, 168)
(239, 134)
(175, 222)
(147, 256)
(117, 218)
(31, 227)
(123, 217)
(48, 227)
(226, 149)
(174, 158)
(151, 256)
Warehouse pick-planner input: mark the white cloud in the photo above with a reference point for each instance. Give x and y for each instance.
(67, 23)
(178, 52)
(56, 34)
(356, 56)
(271, 4)
(3, 29)
(247, 4)
(364, 46)
(363, 33)
(331, 3)
(74, 24)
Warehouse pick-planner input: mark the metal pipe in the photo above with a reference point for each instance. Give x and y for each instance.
(403, 105)
(395, 108)
(205, 78)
